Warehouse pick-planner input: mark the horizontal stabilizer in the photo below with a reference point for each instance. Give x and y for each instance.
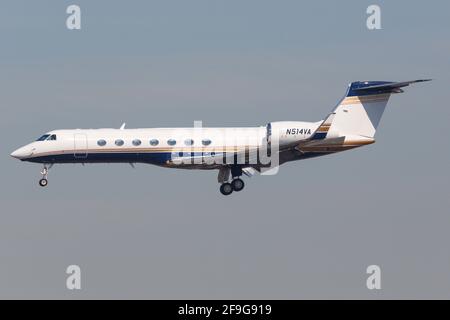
(379, 87)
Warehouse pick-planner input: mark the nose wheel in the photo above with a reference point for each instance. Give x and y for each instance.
(44, 182)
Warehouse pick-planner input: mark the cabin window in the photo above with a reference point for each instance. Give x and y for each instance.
(189, 142)
(119, 142)
(44, 137)
(206, 142)
(136, 142)
(154, 142)
(171, 142)
(101, 142)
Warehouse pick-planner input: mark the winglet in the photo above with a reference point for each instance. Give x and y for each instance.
(122, 126)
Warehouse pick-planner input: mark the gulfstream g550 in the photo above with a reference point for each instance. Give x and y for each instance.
(231, 151)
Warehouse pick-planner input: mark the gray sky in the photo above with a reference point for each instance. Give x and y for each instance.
(149, 232)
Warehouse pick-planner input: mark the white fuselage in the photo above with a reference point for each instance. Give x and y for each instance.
(160, 146)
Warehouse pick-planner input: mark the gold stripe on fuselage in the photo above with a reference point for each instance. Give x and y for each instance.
(219, 149)
(335, 147)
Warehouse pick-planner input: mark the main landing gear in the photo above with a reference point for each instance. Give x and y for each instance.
(43, 182)
(237, 184)
(226, 189)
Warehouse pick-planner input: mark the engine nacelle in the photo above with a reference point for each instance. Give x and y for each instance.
(289, 132)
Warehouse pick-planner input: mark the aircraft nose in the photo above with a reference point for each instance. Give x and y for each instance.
(22, 153)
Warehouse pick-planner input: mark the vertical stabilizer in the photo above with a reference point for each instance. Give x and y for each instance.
(360, 112)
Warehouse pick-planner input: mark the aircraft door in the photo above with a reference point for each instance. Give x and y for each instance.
(80, 146)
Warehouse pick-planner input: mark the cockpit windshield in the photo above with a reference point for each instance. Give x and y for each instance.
(47, 137)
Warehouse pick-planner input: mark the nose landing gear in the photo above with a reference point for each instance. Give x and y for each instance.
(43, 182)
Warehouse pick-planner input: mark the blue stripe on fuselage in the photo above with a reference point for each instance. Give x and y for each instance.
(153, 157)
(319, 135)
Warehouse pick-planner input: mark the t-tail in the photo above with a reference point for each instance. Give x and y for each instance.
(359, 113)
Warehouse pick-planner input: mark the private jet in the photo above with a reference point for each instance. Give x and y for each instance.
(234, 152)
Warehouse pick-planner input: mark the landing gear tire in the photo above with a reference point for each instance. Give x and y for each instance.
(43, 182)
(226, 189)
(238, 184)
